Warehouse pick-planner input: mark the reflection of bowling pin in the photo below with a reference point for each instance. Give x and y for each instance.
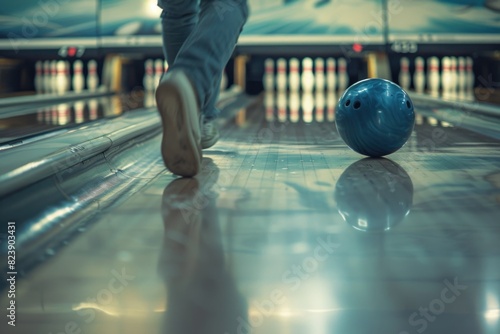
(404, 73)
(39, 77)
(158, 72)
(294, 76)
(223, 81)
(307, 107)
(92, 76)
(319, 74)
(281, 78)
(433, 78)
(331, 100)
(320, 106)
(268, 80)
(446, 77)
(148, 81)
(63, 114)
(79, 108)
(343, 78)
(419, 76)
(78, 79)
(149, 99)
(281, 104)
(294, 105)
(269, 104)
(307, 77)
(93, 109)
(331, 74)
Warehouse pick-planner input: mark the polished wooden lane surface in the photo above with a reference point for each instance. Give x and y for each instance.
(286, 230)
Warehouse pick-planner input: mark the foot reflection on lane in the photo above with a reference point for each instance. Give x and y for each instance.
(201, 294)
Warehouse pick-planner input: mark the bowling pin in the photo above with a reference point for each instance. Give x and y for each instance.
(93, 109)
(39, 77)
(404, 73)
(53, 76)
(158, 72)
(446, 77)
(294, 76)
(469, 69)
(319, 74)
(462, 77)
(331, 74)
(343, 78)
(148, 81)
(268, 79)
(294, 105)
(453, 77)
(92, 76)
(433, 77)
(419, 76)
(46, 77)
(61, 78)
(281, 77)
(307, 77)
(78, 79)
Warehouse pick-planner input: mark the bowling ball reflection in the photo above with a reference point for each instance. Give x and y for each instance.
(374, 195)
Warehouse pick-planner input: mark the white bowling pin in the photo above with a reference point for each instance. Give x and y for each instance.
(294, 76)
(320, 106)
(148, 81)
(453, 77)
(331, 101)
(61, 78)
(47, 82)
(307, 77)
(469, 69)
(53, 76)
(281, 77)
(307, 106)
(343, 77)
(281, 104)
(158, 72)
(39, 77)
(433, 77)
(331, 74)
(419, 75)
(404, 73)
(92, 76)
(268, 79)
(78, 78)
(319, 74)
(446, 77)
(462, 77)
(269, 104)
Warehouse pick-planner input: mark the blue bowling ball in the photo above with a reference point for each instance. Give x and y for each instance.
(375, 117)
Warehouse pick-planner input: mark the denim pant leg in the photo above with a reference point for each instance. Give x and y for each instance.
(178, 18)
(209, 46)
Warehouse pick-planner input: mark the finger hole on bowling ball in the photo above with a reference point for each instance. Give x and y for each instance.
(357, 104)
(347, 103)
(408, 104)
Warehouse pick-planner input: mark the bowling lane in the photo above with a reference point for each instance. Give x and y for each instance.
(286, 230)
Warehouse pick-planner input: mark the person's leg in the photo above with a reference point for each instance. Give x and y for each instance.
(193, 81)
(207, 50)
(178, 19)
